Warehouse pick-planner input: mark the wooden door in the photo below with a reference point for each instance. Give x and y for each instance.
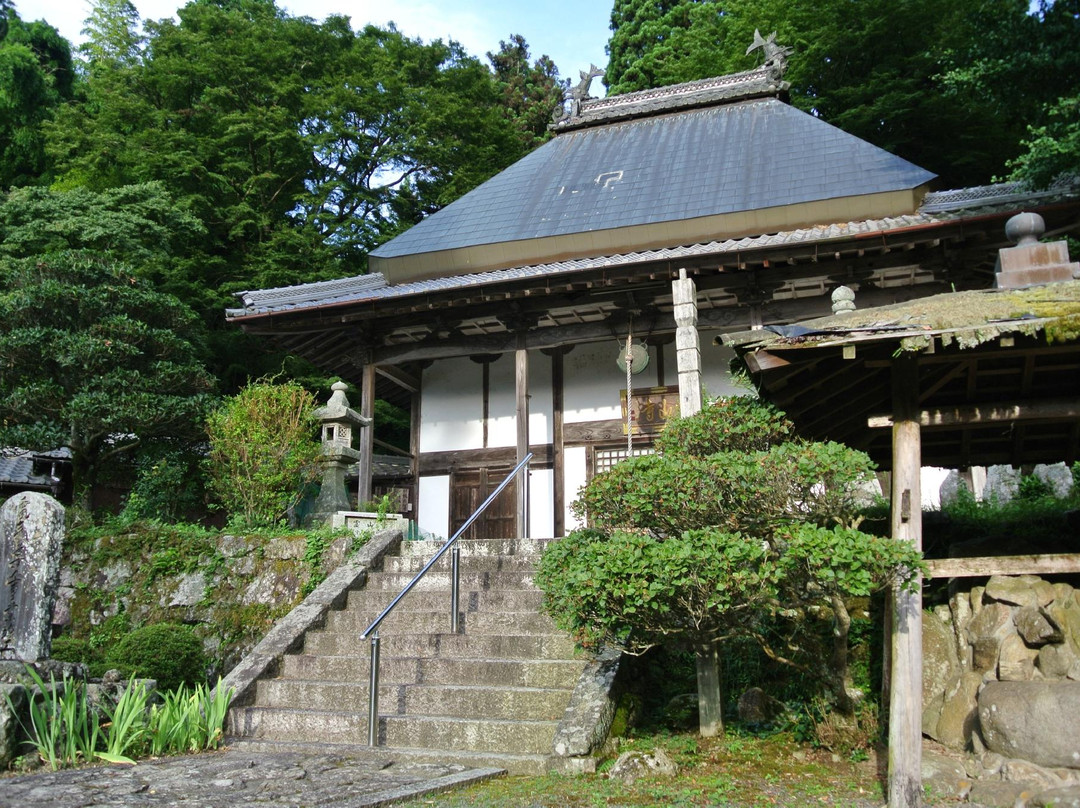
(468, 490)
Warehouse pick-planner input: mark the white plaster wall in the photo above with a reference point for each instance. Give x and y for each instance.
(592, 382)
(574, 473)
(433, 515)
(450, 417)
(502, 400)
(541, 504)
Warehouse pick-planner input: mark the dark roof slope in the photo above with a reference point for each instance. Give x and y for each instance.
(746, 156)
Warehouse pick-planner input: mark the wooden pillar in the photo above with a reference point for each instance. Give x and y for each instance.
(521, 385)
(905, 693)
(367, 435)
(414, 446)
(558, 467)
(687, 347)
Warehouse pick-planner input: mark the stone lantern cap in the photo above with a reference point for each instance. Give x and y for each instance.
(338, 418)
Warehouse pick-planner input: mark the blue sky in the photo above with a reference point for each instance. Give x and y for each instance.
(572, 32)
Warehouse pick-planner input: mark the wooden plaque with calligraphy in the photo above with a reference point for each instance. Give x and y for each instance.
(652, 406)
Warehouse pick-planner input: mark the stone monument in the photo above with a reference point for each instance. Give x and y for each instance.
(31, 537)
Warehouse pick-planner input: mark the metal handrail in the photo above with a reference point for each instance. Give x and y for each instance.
(372, 631)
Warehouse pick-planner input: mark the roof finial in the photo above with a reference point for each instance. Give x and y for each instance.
(775, 55)
(575, 95)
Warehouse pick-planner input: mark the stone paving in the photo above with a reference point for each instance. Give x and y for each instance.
(238, 778)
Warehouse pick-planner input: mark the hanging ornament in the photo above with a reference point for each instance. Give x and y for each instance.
(639, 357)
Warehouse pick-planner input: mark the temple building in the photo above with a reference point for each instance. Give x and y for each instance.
(516, 318)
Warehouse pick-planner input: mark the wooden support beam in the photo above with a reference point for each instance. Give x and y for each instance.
(905, 657)
(1053, 409)
(521, 414)
(367, 435)
(1046, 564)
(401, 378)
(558, 476)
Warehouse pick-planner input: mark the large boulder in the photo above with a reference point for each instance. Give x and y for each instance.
(1035, 721)
(941, 669)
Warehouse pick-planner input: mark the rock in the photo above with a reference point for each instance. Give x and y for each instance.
(1057, 476)
(1065, 612)
(959, 713)
(31, 538)
(943, 777)
(960, 607)
(950, 488)
(998, 794)
(987, 629)
(1055, 661)
(633, 765)
(284, 548)
(190, 590)
(11, 721)
(1064, 797)
(1035, 721)
(758, 707)
(682, 712)
(1016, 662)
(1029, 775)
(1002, 483)
(1017, 590)
(941, 668)
(1037, 629)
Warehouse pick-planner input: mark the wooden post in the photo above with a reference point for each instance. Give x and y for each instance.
(558, 468)
(521, 384)
(367, 435)
(710, 703)
(905, 695)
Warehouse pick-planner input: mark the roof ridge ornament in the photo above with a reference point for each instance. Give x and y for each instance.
(575, 95)
(775, 55)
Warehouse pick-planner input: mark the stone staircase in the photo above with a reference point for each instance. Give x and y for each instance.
(492, 694)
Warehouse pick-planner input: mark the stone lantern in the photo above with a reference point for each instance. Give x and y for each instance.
(337, 420)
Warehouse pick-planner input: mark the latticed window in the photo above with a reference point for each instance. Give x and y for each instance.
(606, 458)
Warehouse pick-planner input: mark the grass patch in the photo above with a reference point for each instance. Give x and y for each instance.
(739, 769)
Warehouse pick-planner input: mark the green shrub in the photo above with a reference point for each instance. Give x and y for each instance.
(73, 649)
(166, 652)
(263, 451)
(735, 424)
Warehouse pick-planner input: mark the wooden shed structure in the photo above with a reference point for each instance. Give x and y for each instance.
(978, 377)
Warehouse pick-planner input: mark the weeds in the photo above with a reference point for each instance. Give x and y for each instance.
(66, 729)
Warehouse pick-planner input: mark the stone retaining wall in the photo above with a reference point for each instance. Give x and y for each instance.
(1001, 675)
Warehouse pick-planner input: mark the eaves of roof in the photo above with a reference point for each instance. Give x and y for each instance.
(942, 208)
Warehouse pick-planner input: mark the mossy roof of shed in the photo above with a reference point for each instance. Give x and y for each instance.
(967, 319)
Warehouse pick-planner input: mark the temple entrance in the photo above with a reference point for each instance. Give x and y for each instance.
(468, 489)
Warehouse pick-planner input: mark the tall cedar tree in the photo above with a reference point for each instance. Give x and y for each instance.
(530, 93)
(36, 77)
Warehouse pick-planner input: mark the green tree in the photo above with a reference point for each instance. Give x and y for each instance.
(263, 451)
(36, 77)
(92, 357)
(530, 92)
(732, 530)
(973, 73)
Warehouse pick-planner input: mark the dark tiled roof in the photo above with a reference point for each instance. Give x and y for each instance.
(17, 468)
(737, 157)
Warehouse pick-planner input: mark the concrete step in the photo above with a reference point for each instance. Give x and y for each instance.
(469, 563)
(514, 600)
(394, 582)
(532, 765)
(549, 673)
(463, 701)
(415, 622)
(484, 646)
(478, 547)
(470, 734)
(350, 727)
